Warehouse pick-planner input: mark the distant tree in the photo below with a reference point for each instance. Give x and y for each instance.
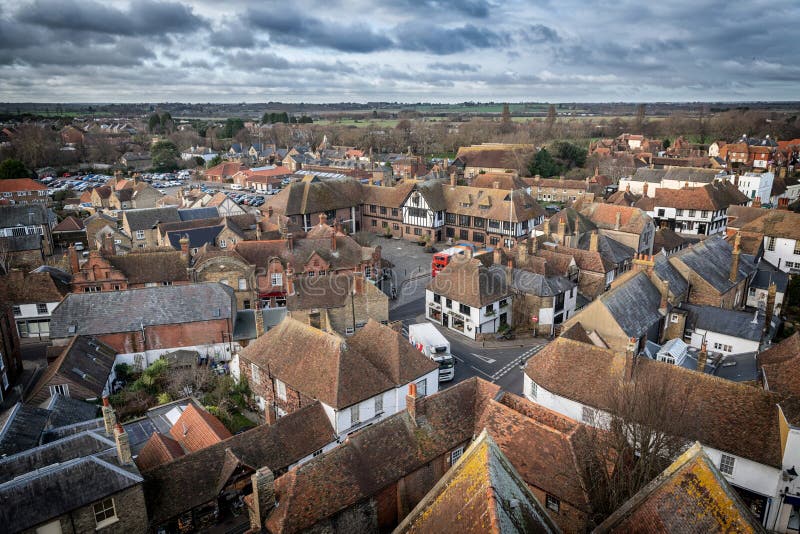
(666, 143)
(640, 114)
(164, 155)
(272, 118)
(216, 160)
(544, 165)
(154, 123)
(13, 168)
(232, 127)
(570, 155)
(200, 161)
(551, 118)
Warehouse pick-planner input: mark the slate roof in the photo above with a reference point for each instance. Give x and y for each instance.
(198, 213)
(127, 311)
(22, 243)
(468, 281)
(22, 428)
(664, 270)
(634, 304)
(646, 174)
(573, 220)
(42, 495)
(729, 416)
(690, 496)
(711, 260)
(85, 362)
(433, 193)
(481, 493)
(25, 214)
(195, 479)
(151, 265)
(763, 279)
(611, 249)
(197, 236)
(375, 359)
(149, 218)
(68, 411)
(533, 283)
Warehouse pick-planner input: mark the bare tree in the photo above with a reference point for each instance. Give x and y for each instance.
(638, 437)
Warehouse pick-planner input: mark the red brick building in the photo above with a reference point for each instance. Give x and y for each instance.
(24, 191)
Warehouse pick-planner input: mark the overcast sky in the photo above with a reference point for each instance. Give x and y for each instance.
(403, 50)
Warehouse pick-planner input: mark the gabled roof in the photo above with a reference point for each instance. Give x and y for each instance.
(194, 479)
(691, 495)
(726, 415)
(391, 197)
(69, 224)
(198, 213)
(573, 220)
(348, 371)
(775, 223)
(22, 428)
(499, 204)
(665, 271)
(127, 311)
(632, 220)
(533, 283)
(24, 215)
(197, 429)
(481, 493)
(468, 281)
(734, 323)
(711, 260)
(158, 450)
(151, 266)
(48, 493)
(667, 239)
(634, 304)
(11, 185)
(19, 287)
(149, 218)
(314, 196)
(348, 254)
(84, 362)
(197, 236)
(504, 180)
(710, 197)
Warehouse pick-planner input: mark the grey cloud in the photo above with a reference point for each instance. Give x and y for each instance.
(297, 29)
(145, 17)
(441, 41)
(539, 33)
(232, 36)
(124, 53)
(472, 8)
(455, 66)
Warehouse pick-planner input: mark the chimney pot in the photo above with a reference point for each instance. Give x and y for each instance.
(734, 274)
(269, 211)
(109, 417)
(702, 357)
(185, 248)
(263, 483)
(73, 259)
(289, 280)
(630, 359)
(594, 242)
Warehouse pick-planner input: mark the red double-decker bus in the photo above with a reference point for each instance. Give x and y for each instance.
(441, 259)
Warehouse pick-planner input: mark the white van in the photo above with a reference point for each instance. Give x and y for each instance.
(236, 187)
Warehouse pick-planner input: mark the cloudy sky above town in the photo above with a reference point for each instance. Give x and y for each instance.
(398, 50)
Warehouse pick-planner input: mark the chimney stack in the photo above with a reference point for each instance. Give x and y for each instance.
(664, 294)
(524, 250)
(702, 357)
(109, 417)
(411, 402)
(123, 445)
(771, 291)
(630, 359)
(185, 248)
(108, 245)
(644, 189)
(263, 482)
(617, 220)
(452, 179)
(734, 275)
(259, 321)
(73, 259)
(358, 284)
(333, 240)
(593, 241)
(509, 274)
(289, 280)
(757, 202)
(289, 241)
(323, 219)
(269, 211)
(562, 230)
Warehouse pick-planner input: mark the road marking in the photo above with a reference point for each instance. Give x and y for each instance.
(483, 358)
(457, 358)
(516, 362)
(481, 372)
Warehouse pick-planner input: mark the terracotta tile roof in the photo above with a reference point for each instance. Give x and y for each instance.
(197, 429)
(632, 220)
(390, 197)
(780, 366)
(347, 371)
(155, 265)
(197, 478)
(498, 204)
(19, 287)
(504, 180)
(391, 353)
(225, 169)
(468, 281)
(348, 254)
(158, 450)
(572, 220)
(481, 493)
(710, 197)
(538, 443)
(103, 191)
(691, 495)
(556, 183)
(667, 239)
(514, 157)
(726, 415)
(587, 260)
(576, 332)
(69, 224)
(775, 223)
(314, 196)
(12, 185)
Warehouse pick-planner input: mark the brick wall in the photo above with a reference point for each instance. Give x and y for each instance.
(130, 509)
(169, 336)
(225, 268)
(9, 345)
(264, 388)
(568, 518)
